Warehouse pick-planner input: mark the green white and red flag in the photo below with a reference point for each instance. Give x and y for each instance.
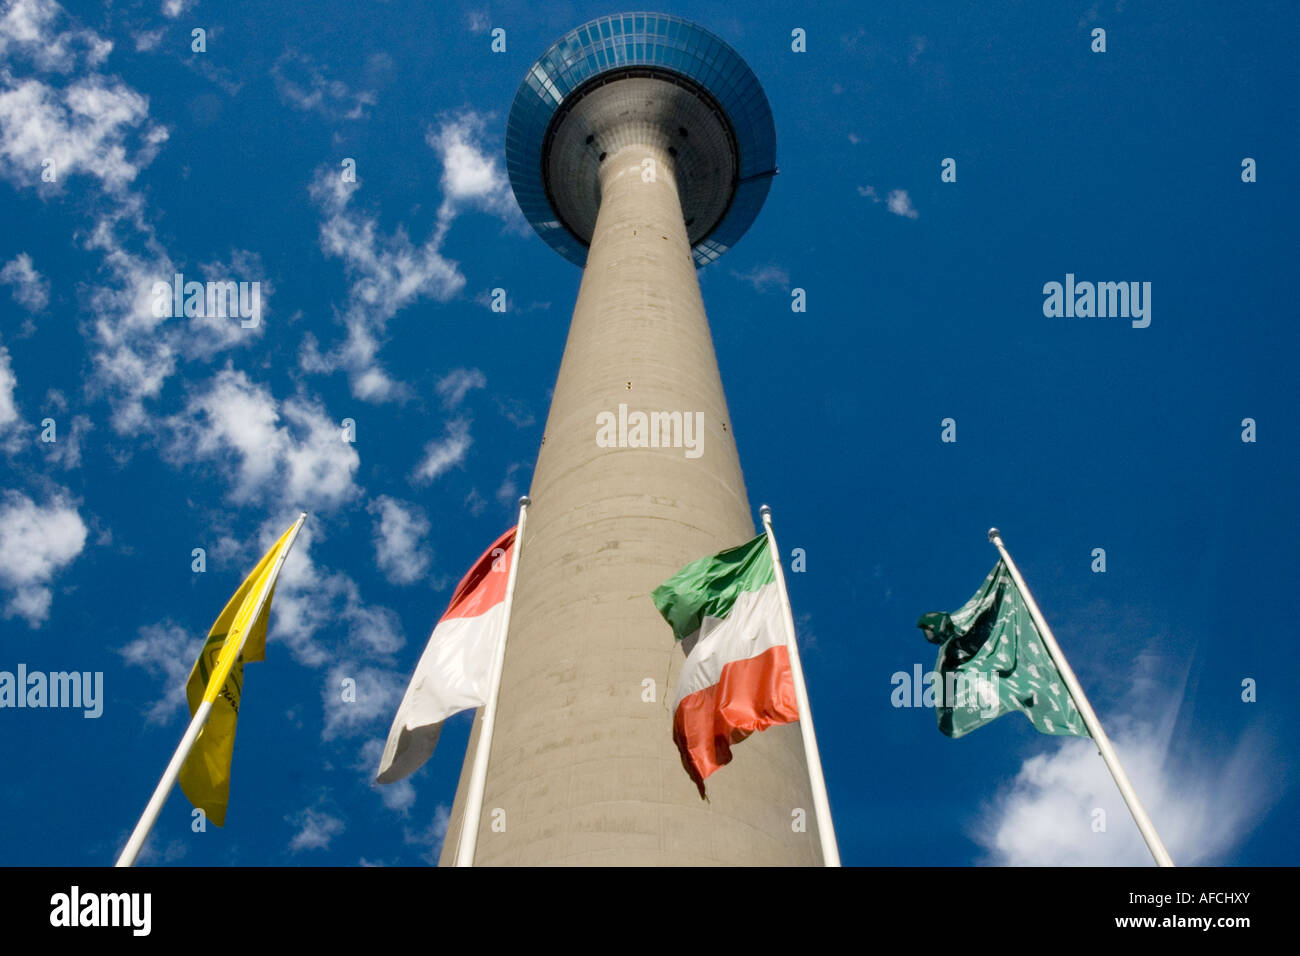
(727, 611)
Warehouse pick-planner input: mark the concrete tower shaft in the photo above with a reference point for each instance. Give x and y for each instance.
(641, 147)
(585, 770)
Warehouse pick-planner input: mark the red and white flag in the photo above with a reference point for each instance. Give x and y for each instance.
(455, 670)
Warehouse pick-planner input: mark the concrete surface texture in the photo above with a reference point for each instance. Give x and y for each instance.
(583, 769)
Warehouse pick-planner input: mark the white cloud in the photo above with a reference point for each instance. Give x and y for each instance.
(36, 542)
(378, 693)
(398, 797)
(456, 384)
(763, 278)
(151, 854)
(316, 829)
(900, 204)
(65, 450)
(26, 31)
(148, 40)
(310, 600)
(11, 422)
(304, 85)
(375, 630)
(1202, 813)
(400, 529)
(97, 127)
(470, 175)
(289, 452)
(431, 836)
(132, 350)
(918, 47)
(174, 8)
(83, 127)
(508, 491)
(208, 335)
(475, 503)
(388, 273)
(31, 290)
(307, 600)
(440, 456)
(166, 651)
(1202, 803)
(516, 412)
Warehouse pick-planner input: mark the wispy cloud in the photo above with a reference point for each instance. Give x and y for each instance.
(65, 451)
(304, 84)
(763, 278)
(1203, 803)
(387, 272)
(900, 204)
(311, 600)
(371, 698)
(289, 452)
(918, 45)
(516, 412)
(37, 541)
(31, 290)
(400, 529)
(456, 384)
(508, 490)
(431, 836)
(166, 651)
(94, 126)
(11, 422)
(28, 31)
(315, 829)
(398, 797)
(446, 453)
(471, 176)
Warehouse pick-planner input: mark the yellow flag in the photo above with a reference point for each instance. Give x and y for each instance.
(218, 677)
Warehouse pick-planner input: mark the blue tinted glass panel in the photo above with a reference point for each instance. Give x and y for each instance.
(606, 43)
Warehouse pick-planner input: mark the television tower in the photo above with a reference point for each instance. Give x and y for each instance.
(639, 146)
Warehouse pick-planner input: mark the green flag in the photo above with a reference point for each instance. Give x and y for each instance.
(992, 661)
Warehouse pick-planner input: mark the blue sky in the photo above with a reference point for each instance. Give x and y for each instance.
(925, 302)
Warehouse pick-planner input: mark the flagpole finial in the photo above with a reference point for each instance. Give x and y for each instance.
(765, 511)
(994, 533)
(525, 501)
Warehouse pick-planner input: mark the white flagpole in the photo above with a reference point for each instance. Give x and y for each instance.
(1147, 828)
(821, 803)
(468, 842)
(150, 816)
